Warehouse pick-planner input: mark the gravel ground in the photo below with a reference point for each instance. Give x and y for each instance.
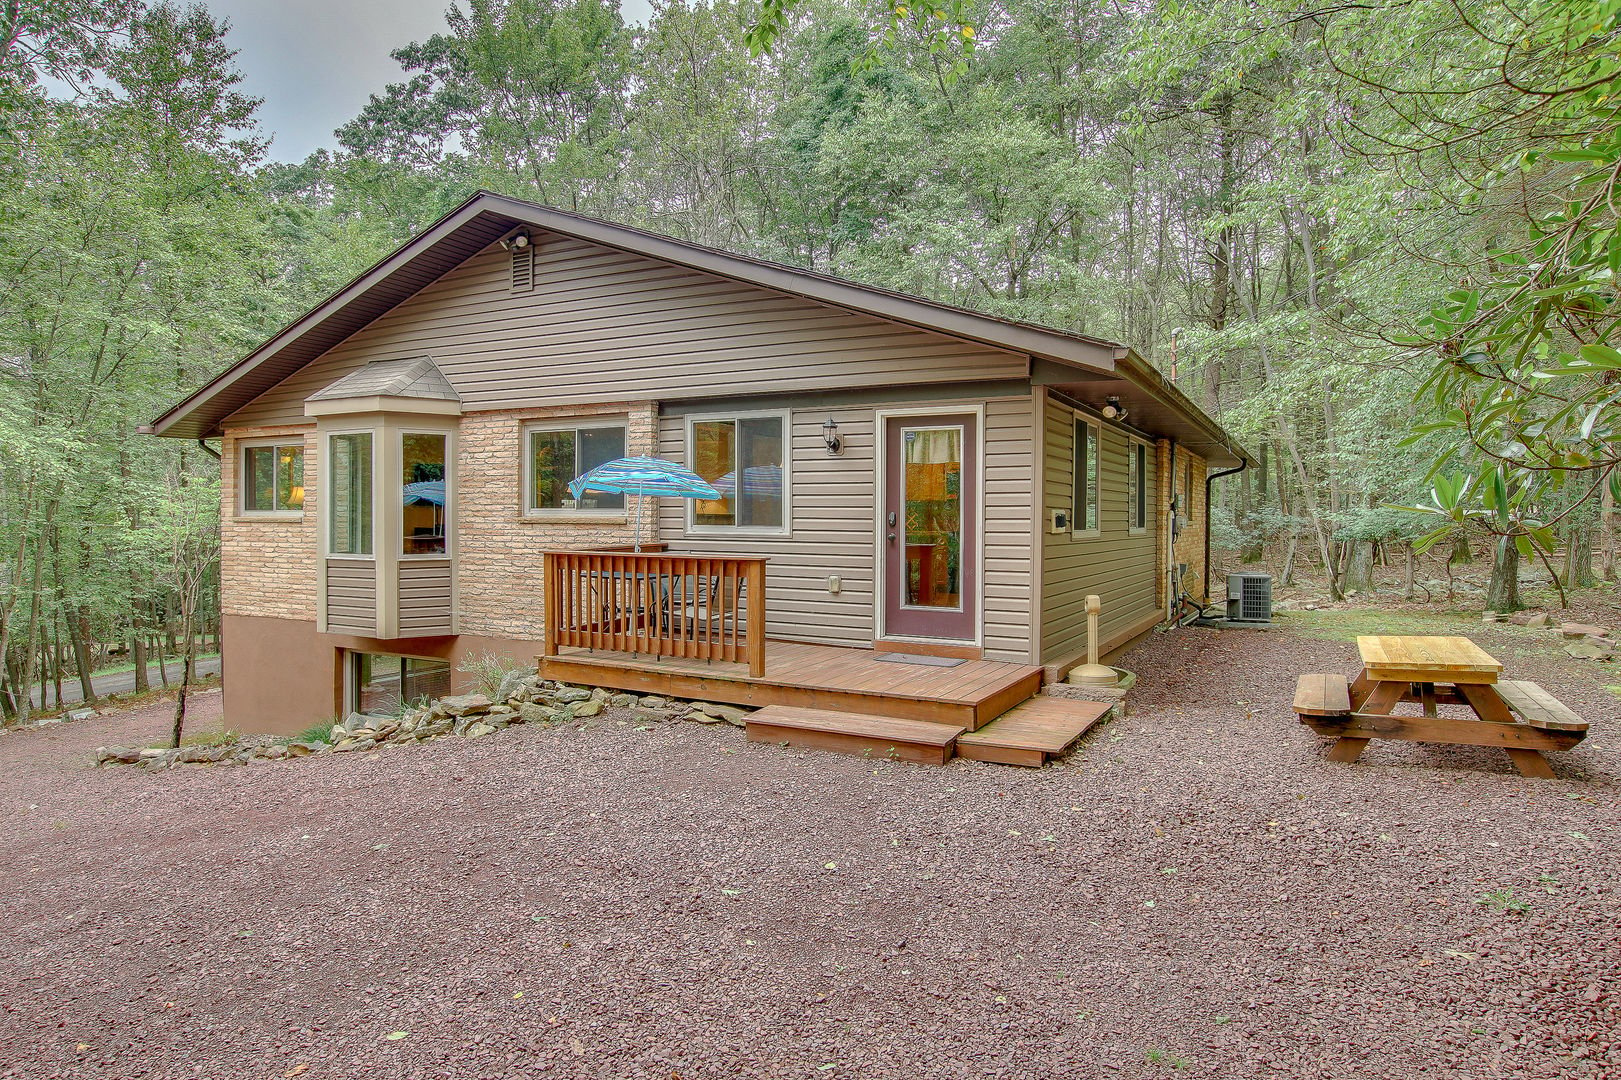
(1197, 893)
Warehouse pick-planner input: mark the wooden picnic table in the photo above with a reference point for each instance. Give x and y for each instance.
(1434, 671)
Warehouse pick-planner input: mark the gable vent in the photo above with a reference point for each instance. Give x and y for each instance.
(523, 267)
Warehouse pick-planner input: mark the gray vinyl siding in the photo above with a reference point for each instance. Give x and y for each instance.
(425, 597)
(833, 513)
(601, 325)
(1118, 565)
(351, 596)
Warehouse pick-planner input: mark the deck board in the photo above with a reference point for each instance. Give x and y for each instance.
(816, 677)
(1029, 734)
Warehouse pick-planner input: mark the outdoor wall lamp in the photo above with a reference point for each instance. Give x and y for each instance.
(830, 436)
(517, 240)
(1112, 409)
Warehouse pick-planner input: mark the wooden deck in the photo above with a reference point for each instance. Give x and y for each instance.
(969, 696)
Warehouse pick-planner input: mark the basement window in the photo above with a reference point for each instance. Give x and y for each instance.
(382, 685)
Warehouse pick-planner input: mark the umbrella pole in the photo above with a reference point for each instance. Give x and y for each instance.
(639, 498)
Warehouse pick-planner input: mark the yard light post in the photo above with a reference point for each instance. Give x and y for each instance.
(1093, 673)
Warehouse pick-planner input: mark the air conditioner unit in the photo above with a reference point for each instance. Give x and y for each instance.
(1249, 597)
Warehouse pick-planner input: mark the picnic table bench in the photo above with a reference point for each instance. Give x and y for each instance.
(1435, 671)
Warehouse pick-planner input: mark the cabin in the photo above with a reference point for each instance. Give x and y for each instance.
(914, 501)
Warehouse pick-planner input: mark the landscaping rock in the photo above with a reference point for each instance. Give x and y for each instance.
(512, 683)
(621, 701)
(1580, 630)
(1539, 621)
(152, 752)
(275, 752)
(1589, 650)
(474, 731)
(536, 714)
(117, 755)
(567, 694)
(698, 716)
(655, 702)
(729, 713)
(344, 746)
(587, 708)
(305, 749)
(82, 714)
(655, 715)
(463, 705)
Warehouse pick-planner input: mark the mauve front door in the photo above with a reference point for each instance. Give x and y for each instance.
(930, 517)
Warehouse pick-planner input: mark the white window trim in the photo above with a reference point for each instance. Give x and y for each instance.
(326, 519)
(527, 469)
(450, 496)
(786, 529)
(1134, 446)
(1077, 533)
(242, 448)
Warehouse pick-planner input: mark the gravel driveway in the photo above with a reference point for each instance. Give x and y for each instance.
(1197, 894)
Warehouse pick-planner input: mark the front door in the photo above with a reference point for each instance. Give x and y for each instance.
(930, 514)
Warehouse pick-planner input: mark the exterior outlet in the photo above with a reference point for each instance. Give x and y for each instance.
(1057, 521)
(835, 585)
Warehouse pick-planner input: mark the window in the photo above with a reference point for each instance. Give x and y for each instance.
(349, 482)
(273, 478)
(380, 684)
(1085, 507)
(1137, 486)
(745, 458)
(422, 519)
(558, 455)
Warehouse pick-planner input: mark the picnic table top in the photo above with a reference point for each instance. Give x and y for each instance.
(1401, 658)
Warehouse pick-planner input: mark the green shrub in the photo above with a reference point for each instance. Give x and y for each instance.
(321, 733)
(488, 669)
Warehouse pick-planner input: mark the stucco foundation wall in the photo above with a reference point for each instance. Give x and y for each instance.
(267, 565)
(281, 676)
(499, 552)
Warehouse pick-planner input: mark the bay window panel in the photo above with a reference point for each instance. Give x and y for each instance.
(423, 494)
(350, 482)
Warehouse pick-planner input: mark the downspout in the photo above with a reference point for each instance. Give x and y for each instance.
(204, 444)
(1173, 580)
(1209, 480)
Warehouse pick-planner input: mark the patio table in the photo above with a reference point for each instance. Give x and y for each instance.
(1434, 671)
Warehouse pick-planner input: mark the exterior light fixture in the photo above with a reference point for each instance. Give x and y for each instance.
(830, 436)
(1112, 409)
(517, 241)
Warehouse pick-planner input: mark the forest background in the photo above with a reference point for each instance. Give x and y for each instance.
(1376, 240)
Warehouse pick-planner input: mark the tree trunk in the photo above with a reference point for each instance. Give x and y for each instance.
(137, 653)
(1579, 557)
(79, 634)
(1462, 554)
(1287, 578)
(1408, 571)
(185, 682)
(1359, 567)
(1607, 534)
(163, 662)
(1503, 591)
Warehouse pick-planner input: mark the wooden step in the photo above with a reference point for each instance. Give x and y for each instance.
(926, 742)
(1030, 734)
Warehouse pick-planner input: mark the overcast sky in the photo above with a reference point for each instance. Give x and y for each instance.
(315, 61)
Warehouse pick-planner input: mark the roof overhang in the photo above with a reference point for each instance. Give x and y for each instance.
(486, 218)
(1154, 405)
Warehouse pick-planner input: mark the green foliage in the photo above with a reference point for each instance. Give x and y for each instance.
(316, 733)
(488, 669)
(1504, 902)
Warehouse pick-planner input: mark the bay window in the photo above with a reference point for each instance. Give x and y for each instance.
(350, 483)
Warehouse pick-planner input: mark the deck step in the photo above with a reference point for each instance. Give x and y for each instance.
(1031, 733)
(923, 741)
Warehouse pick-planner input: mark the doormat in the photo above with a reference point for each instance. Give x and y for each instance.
(921, 661)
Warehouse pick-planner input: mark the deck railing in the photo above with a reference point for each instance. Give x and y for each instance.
(657, 604)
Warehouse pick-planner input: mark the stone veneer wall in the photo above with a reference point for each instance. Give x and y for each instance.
(267, 565)
(1189, 546)
(499, 552)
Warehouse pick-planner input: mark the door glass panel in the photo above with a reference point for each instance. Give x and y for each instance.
(933, 501)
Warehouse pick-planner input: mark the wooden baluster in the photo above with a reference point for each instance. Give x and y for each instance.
(756, 617)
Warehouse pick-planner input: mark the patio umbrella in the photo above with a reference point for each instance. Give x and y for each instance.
(642, 476)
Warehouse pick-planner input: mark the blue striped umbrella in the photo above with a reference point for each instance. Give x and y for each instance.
(641, 476)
